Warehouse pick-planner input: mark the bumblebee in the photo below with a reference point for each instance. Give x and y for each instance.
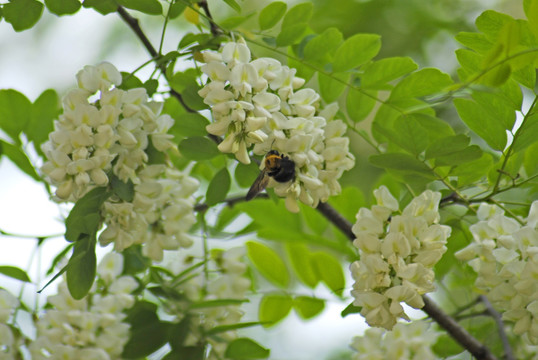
(277, 166)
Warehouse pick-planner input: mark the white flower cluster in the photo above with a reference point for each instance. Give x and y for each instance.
(411, 341)
(93, 140)
(397, 253)
(90, 328)
(505, 256)
(9, 341)
(226, 281)
(261, 102)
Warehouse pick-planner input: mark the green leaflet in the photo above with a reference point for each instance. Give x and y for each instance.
(355, 51)
(271, 14)
(268, 263)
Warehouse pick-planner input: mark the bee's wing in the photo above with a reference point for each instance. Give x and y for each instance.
(259, 184)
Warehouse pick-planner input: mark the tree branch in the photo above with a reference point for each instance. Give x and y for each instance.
(458, 333)
(337, 219)
(508, 354)
(215, 30)
(135, 26)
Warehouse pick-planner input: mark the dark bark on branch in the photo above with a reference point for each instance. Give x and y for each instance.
(508, 354)
(135, 26)
(458, 333)
(337, 219)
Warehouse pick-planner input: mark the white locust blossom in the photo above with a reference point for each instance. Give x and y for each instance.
(106, 131)
(260, 105)
(504, 254)
(226, 279)
(411, 341)
(90, 328)
(397, 254)
(9, 339)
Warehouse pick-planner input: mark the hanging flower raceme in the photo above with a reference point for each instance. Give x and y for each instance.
(212, 298)
(504, 254)
(405, 342)
(397, 254)
(260, 105)
(90, 328)
(107, 132)
(10, 338)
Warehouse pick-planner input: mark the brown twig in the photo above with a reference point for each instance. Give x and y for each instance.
(215, 30)
(458, 333)
(337, 219)
(508, 353)
(135, 26)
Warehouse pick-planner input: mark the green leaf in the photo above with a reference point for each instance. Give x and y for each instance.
(329, 270)
(355, 51)
(63, 7)
(526, 76)
(308, 307)
(22, 14)
(379, 73)
(84, 218)
(468, 154)
(299, 256)
(101, 6)
(176, 9)
(291, 34)
(15, 273)
(233, 4)
(133, 260)
(148, 333)
(424, 82)
(271, 14)
(273, 308)
(81, 267)
(233, 22)
(406, 132)
(446, 347)
(15, 112)
(268, 263)
(351, 309)
(331, 87)
(475, 41)
(360, 103)
(245, 348)
(398, 161)
(447, 145)
(271, 215)
(472, 171)
(299, 14)
(498, 106)
(321, 48)
(150, 7)
(527, 133)
(491, 22)
(198, 148)
(190, 124)
(19, 158)
(218, 187)
(125, 191)
(224, 328)
(151, 86)
(484, 125)
(245, 175)
(44, 110)
(531, 10)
